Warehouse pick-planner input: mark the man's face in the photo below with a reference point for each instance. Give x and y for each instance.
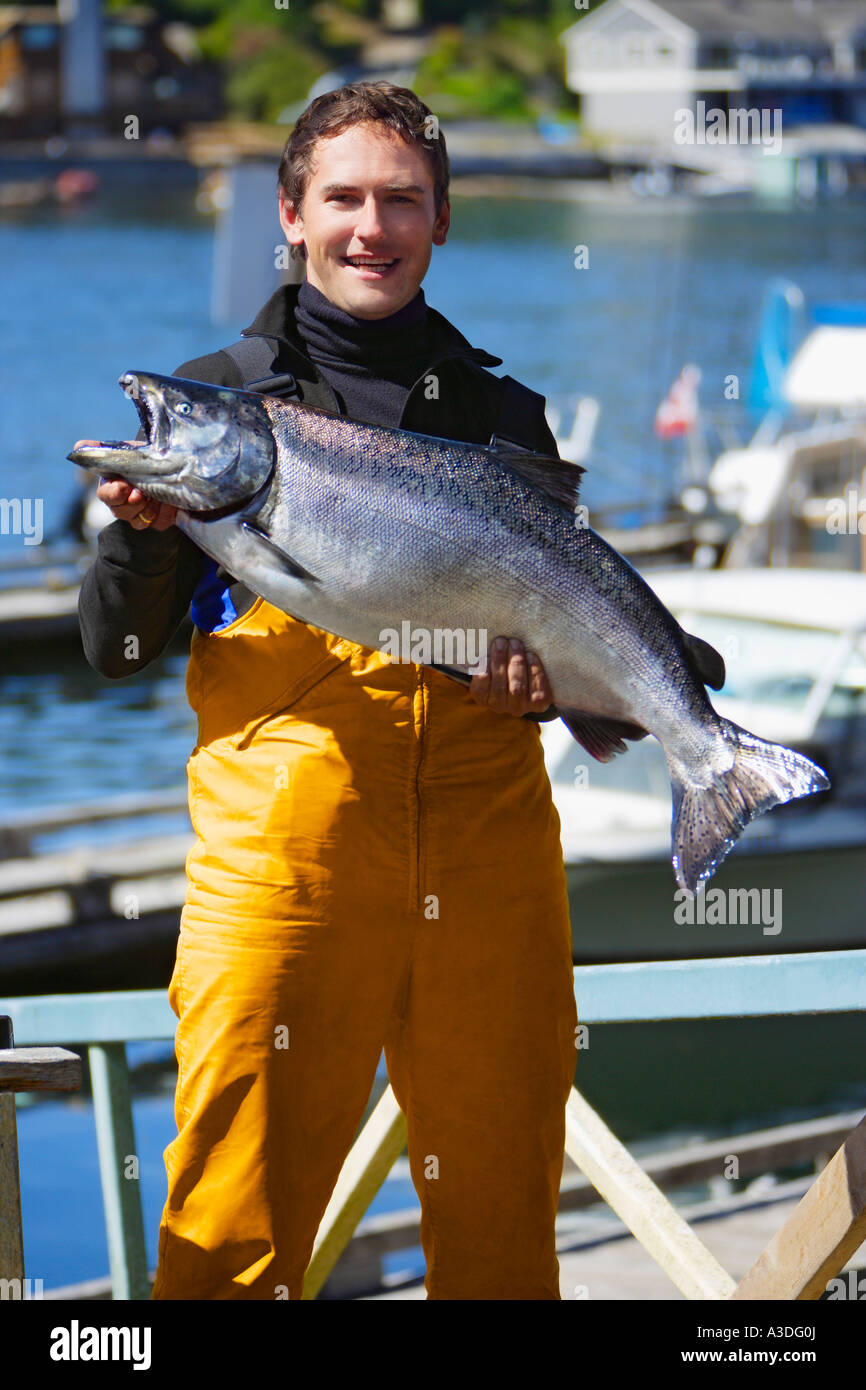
(369, 201)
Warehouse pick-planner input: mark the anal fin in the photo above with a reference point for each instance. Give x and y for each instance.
(600, 736)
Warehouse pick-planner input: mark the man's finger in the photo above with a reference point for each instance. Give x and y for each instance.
(479, 686)
(499, 672)
(113, 491)
(517, 682)
(165, 518)
(540, 692)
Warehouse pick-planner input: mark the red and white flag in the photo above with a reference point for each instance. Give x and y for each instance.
(678, 412)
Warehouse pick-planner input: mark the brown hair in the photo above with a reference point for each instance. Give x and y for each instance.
(394, 108)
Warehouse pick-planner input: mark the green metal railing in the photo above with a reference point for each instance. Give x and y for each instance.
(733, 987)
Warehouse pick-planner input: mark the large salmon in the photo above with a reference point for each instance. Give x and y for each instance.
(365, 532)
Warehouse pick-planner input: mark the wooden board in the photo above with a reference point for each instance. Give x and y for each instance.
(39, 1069)
(822, 1233)
(642, 1206)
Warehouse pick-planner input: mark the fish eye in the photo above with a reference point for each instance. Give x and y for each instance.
(184, 408)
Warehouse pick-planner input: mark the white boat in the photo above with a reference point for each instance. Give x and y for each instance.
(795, 649)
(575, 443)
(798, 488)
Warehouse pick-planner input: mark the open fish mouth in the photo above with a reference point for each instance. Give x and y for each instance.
(201, 447)
(154, 422)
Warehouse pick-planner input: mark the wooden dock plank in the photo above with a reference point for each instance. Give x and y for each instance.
(11, 1243)
(621, 1270)
(824, 1231)
(642, 1206)
(39, 1069)
(368, 1164)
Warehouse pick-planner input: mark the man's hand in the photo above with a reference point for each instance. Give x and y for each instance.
(129, 503)
(515, 681)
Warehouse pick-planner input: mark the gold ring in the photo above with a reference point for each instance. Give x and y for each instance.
(147, 520)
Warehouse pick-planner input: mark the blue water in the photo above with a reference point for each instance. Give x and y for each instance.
(61, 1201)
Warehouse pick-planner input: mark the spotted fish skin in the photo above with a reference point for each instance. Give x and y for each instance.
(357, 529)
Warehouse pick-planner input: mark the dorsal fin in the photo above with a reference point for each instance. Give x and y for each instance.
(555, 477)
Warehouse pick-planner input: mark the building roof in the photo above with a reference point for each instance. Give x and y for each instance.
(778, 20)
(768, 19)
(10, 15)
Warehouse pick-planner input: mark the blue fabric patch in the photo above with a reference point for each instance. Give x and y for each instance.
(211, 608)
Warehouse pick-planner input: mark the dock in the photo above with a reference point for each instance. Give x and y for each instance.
(101, 914)
(616, 1268)
(599, 1258)
(620, 1268)
(816, 1224)
(39, 596)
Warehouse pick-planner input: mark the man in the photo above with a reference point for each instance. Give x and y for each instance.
(377, 861)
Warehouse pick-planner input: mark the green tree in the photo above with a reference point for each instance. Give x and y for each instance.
(491, 58)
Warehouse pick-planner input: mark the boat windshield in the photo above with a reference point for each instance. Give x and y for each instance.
(766, 663)
(643, 771)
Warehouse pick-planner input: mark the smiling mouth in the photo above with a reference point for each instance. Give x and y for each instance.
(378, 264)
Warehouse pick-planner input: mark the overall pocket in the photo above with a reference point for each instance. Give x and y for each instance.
(256, 668)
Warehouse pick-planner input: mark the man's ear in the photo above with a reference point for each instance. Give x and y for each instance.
(291, 221)
(442, 223)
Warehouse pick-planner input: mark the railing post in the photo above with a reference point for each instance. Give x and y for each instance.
(121, 1194)
(22, 1069)
(11, 1240)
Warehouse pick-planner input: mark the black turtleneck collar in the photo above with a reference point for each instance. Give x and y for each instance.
(276, 320)
(395, 347)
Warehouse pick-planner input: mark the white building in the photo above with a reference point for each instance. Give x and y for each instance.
(635, 63)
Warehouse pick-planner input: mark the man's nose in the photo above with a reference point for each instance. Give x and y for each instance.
(369, 223)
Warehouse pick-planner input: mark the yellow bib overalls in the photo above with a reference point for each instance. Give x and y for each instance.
(377, 863)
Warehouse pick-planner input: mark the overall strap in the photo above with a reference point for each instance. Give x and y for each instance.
(253, 358)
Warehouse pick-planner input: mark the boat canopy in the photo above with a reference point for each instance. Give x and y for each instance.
(829, 369)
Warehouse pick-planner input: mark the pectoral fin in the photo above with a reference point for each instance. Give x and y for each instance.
(291, 566)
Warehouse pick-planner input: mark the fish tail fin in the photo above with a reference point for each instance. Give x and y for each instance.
(708, 820)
